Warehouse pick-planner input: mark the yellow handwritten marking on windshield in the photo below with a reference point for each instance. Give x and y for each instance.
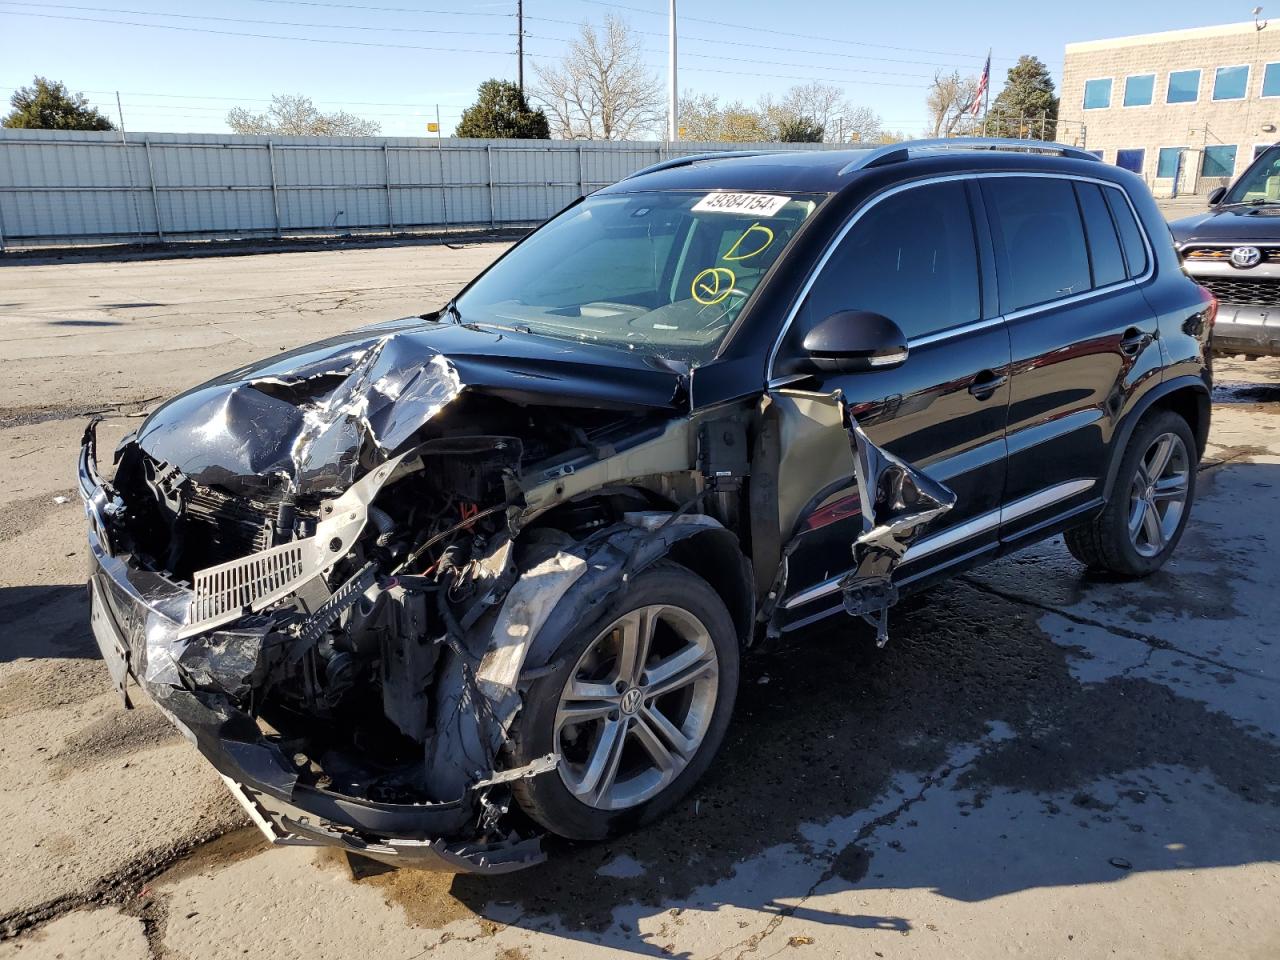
(762, 243)
(713, 285)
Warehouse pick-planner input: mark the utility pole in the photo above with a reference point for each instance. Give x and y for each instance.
(520, 45)
(120, 114)
(673, 127)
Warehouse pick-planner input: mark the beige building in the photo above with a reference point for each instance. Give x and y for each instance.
(1186, 109)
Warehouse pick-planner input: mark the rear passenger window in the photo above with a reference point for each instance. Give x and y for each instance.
(1104, 246)
(1040, 248)
(911, 257)
(1135, 251)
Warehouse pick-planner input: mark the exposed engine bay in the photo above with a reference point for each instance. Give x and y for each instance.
(336, 572)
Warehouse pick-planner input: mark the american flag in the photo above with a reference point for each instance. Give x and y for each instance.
(976, 107)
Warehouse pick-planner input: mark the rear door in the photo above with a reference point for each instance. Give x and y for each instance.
(1083, 338)
(919, 257)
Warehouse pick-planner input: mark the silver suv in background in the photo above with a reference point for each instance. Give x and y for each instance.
(1234, 251)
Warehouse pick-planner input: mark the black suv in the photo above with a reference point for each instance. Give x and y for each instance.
(397, 584)
(1234, 250)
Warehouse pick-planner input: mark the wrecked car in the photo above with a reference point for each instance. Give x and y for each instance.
(436, 588)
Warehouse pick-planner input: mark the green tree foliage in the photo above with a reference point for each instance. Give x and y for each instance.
(1028, 104)
(502, 112)
(47, 105)
(800, 130)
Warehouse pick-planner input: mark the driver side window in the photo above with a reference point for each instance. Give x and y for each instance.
(912, 257)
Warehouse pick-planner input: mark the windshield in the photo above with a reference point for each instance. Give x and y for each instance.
(665, 273)
(1260, 183)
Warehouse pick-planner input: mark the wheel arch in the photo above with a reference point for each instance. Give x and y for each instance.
(1186, 396)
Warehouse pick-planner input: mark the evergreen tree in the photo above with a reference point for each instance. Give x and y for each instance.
(1028, 104)
(49, 105)
(800, 130)
(502, 112)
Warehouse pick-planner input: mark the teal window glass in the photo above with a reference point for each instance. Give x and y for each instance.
(1231, 83)
(1097, 94)
(1138, 90)
(1271, 80)
(1184, 86)
(1219, 161)
(1167, 161)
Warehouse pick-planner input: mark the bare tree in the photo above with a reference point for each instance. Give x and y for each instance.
(949, 97)
(600, 89)
(296, 115)
(825, 105)
(703, 118)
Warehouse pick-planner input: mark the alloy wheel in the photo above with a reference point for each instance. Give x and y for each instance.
(1158, 494)
(637, 707)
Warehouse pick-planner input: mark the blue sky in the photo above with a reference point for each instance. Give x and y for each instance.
(396, 59)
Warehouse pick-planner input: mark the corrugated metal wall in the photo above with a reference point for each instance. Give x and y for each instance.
(61, 187)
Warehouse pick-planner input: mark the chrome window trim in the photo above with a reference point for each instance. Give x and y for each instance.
(971, 326)
(959, 533)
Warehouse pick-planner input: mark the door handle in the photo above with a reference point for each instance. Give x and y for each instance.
(986, 383)
(1134, 340)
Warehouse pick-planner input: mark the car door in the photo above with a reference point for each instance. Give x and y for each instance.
(1082, 336)
(918, 256)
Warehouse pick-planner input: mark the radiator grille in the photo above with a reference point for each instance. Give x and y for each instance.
(1253, 292)
(1223, 254)
(232, 587)
(224, 527)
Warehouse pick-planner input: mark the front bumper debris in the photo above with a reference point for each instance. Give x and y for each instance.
(142, 623)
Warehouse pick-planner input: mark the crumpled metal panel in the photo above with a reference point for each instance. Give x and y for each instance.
(898, 504)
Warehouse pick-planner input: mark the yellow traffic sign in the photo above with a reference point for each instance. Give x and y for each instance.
(433, 128)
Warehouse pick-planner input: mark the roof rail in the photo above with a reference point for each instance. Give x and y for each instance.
(696, 158)
(898, 152)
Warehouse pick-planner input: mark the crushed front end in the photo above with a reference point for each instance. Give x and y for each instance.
(309, 571)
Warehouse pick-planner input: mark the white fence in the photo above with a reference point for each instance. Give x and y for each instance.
(70, 187)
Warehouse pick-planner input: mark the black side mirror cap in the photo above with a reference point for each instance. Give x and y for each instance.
(855, 341)
(1216, 195)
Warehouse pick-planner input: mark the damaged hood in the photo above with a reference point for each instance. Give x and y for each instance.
(301, 419)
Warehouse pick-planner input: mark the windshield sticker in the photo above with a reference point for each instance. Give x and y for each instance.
(713, 285)
(757, 244)
(760, 204)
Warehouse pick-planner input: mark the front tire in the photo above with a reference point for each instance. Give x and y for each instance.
(637, 708)
(1155, 486)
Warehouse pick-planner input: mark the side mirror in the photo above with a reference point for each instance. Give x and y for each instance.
(1216, 195)
(854, 341)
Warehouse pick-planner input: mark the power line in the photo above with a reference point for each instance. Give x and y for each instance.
(271, 23)
(362, 7)
(258, 36)
(774, 63)
(783, 33)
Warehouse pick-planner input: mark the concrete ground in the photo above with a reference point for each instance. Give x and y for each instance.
(1040, 764)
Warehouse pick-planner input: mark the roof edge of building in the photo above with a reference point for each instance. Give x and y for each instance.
(1166, 36)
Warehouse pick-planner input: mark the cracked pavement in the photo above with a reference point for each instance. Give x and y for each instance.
(1040, 764)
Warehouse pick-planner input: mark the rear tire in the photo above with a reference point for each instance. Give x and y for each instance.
(1150, 502)
(635, 730)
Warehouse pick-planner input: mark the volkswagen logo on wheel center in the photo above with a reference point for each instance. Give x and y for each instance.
(1246, 257)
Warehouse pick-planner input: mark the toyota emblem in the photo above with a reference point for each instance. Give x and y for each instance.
(1245, 257)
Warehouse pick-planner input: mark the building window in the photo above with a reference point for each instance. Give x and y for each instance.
(1139, 89)
(1167, 161)
(1231, 83)
(1259, 149)
(1096, 153)
(1218, 161)
(1184, 87)
(1097, 94)
(1271, 80)
(1130, 160)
